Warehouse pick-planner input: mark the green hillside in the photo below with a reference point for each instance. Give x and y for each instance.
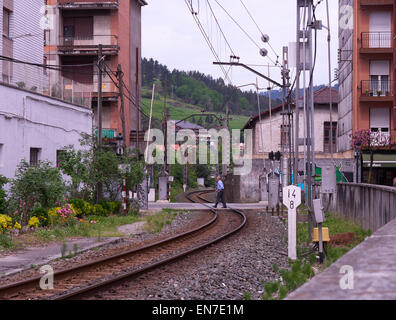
(179, 110)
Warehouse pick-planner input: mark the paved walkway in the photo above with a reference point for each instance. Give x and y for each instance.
(153, 206)
(374, 272)
(25, 258)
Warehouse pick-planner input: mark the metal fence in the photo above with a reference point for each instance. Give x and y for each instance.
(372, 206)
(376, 40)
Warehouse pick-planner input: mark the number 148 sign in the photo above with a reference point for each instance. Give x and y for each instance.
(292, 199)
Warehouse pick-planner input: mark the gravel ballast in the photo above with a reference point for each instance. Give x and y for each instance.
(232, 269)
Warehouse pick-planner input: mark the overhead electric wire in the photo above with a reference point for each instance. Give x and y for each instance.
(221, 30)
(203, 32)
(131, 98)
(243, 30)
(258, 28)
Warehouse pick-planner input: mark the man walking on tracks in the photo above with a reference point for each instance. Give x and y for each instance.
(220, 193)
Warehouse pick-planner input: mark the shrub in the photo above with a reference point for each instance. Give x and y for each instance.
(106, 206)
(33, 222)
(32, 184)
(41, 213)
(115, 207)
(98, 210)
(79, 207)
(53, 215)
(3, 202)
(5, 223)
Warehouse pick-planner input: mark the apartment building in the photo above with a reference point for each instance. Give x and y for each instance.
(22, 39)
(78, 28)
(367, 84)
(33, 125)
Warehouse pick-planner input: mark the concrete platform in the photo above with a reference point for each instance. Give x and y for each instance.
(197, 206)
(36, 256)
(374, 272)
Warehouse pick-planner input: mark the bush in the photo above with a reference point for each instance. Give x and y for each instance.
(99, 211)
(32, 184)
(115, 207)
(3, 202)
(79, 207)
(5, 223)
(33, 222)
(40, 213)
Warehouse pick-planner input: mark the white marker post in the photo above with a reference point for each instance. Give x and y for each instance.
(292, 199)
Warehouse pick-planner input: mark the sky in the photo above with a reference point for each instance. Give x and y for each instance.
(171, 36)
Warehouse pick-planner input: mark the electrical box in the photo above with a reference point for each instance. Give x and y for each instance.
(329, 179)
(319, 211)
(273, 191)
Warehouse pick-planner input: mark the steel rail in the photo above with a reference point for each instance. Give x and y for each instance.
(74, 293)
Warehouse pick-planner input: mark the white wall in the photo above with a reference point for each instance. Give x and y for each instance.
(29, 120)
(322, 115)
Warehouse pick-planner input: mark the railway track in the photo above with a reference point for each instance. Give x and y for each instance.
(88, 279)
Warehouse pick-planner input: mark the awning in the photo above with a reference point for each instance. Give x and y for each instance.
(381, 160)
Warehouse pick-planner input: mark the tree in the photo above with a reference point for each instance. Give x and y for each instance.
(91, 165)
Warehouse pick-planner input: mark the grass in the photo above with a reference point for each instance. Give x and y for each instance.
(302, 270)
(181, 112)
(103, 227)
(156, 223)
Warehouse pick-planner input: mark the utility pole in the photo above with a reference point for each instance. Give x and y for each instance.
(227, 126)
(120, 75)
(100, 72)
(165, 171)
(99, 187)
(304, 43)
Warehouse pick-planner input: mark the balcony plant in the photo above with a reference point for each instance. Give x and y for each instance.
(379, 92)
(370, 141)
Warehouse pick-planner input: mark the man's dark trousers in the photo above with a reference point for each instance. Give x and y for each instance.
(220, 196)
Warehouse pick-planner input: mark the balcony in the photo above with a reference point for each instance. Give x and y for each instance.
(109, 91)
(88, 45)
(376, 2)
(107, 134)
(86, 4)
(376, 91)
(376, 42)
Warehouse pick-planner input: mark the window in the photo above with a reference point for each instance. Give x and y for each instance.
(59, 157)
(6, 22)
(284, 135)
(34, 156)
(380, 27)
(326, 137)
(380, 125)
(379, 77)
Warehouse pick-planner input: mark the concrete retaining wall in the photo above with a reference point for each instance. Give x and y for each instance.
(371, 205)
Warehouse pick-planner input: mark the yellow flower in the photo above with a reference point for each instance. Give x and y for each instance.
(33, 222)
(17, 226)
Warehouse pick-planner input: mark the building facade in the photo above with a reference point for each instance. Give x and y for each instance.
(367, 85)
(22, 39)
(267, 137)
(77, 29)
(36, 127)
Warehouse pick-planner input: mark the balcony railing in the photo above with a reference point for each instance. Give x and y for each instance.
(86, 4)
(88, 41)
(376, 40)
(373, 88)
